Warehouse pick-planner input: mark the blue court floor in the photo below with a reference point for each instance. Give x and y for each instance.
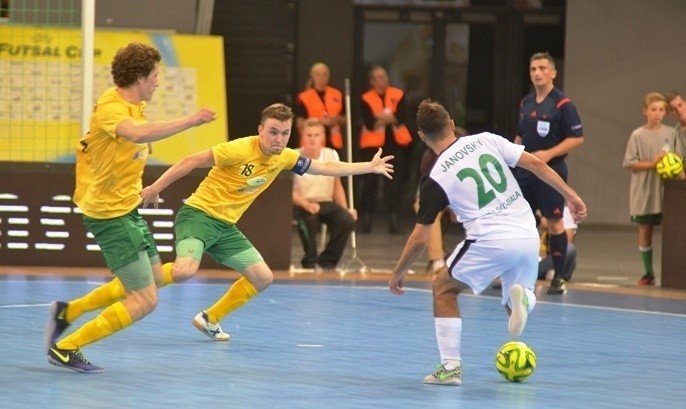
(346, 345)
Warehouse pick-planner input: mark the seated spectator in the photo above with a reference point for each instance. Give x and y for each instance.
(321, 199)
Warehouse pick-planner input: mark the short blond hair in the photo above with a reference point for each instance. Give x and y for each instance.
(654, 97)
(313, 122)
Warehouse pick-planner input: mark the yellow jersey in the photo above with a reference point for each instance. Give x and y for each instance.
(241, 172)
(109, 168)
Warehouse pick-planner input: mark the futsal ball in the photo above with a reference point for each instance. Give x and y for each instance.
(515, 361)
(669, 166)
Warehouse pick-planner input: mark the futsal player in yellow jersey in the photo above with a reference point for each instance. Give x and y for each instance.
(109, 167)
(241, 170)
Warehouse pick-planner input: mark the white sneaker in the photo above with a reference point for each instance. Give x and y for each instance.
(214, 331)
(519, 305)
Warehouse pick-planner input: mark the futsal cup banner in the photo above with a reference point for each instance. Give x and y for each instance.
(40, 89)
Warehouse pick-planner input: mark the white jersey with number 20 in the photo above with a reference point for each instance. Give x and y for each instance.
(475, 174)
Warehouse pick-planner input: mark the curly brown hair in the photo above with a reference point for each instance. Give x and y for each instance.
(132, 62)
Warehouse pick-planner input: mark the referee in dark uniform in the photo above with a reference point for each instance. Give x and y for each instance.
(549, 127)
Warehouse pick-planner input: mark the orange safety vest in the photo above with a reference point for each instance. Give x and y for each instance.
(375, 138)
(331, 106)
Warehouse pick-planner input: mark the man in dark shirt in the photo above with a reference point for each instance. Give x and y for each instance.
(549, 127)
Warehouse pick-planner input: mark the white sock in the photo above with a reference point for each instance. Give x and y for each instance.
(448, 336)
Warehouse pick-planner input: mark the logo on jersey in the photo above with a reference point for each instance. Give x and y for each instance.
(253, 185)
(543, 127)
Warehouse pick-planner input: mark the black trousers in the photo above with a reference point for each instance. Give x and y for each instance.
(339, 223)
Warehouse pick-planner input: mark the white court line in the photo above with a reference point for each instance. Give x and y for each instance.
(366, 287)
(23, 305)
(310, 345)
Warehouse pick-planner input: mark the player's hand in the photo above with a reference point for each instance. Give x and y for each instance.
(396, 284)
(149, 195)
(203, 116)
(381, 166)
(577, 208)
(353, 213)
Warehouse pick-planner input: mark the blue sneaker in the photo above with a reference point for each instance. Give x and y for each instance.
(73, 360)
(56, 325)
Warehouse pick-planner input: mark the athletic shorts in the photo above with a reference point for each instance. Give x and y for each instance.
(649, 219)
(223, 241)
(540, 195)
(122, 238)
(477, 263)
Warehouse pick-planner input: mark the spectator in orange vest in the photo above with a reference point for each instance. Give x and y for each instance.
(383, 112)
(321, 101)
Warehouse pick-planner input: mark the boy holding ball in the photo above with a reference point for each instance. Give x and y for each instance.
(646, 147)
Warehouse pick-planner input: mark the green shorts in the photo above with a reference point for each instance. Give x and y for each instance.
(120, 239)
(222, 241)
(649, 219)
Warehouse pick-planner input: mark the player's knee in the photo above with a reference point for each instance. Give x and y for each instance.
(150, 303)
(265, 280)
(142, 302)
(184, 268)
(444, 285)
(259, 275)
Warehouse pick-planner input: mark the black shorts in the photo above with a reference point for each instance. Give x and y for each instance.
(539, 194)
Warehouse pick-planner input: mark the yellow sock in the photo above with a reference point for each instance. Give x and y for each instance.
(167, 277)
(240, 292)
(100, 297)
(112, 319)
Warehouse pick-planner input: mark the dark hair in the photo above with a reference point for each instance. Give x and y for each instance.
(671, 96)
(132, 62)
(280, 112)
(432, 119)
(543, 56)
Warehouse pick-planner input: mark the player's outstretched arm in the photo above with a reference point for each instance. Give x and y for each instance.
(413, 249)
(156, 130)
(379, 165)
(531, 163)
(151, 194)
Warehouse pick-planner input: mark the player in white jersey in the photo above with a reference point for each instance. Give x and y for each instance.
(472, 177)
